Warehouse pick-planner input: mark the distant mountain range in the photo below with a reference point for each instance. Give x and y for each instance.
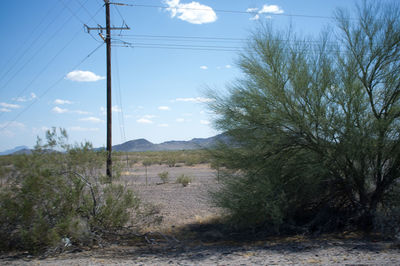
(16, 150)
(194, 144)
(140, 145)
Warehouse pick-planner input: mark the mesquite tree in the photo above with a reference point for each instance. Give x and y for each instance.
(315, 124)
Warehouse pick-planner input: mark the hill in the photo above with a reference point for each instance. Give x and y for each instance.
(140, 145)
(17, 150)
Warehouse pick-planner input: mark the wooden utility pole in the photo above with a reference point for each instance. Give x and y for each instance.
(107, 40)
(109, 103)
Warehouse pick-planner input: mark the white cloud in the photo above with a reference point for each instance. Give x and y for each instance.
(272, 9)
(59, 110)
(195, 100)
(204, 122)
(116, 108)
(59, 101)
(82, 129)
(31, 97)
(228, 66)
(144, 121)
(204, 67)
(164, 108)
(256, 17)
(192, 12)
(163, 125)
(80, 112)
(91, 119)
(180, 120)
(83, 76)
(266, 9)
(9, 106)
(252, 10)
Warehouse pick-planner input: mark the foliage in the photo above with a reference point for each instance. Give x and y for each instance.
(52, 196)
(184, 180)
(187, 157)
(164, 176)
(171, 161)
(317, 125)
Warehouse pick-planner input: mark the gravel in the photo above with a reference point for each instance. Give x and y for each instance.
(181, 206)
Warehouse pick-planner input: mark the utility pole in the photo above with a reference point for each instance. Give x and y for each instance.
(107, 40)
(109, 103)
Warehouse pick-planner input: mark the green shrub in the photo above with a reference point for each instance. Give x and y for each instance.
(315, 135)
(56, 197)
(164, 176)
(171, 161)
(184, 180)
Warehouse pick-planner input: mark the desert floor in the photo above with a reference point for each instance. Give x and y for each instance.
(184, 237)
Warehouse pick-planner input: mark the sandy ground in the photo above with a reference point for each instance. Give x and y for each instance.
(182, 206)
(179, 205)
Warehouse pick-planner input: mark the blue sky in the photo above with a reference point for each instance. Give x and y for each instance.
(177, 48)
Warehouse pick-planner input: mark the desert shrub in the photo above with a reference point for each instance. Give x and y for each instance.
(164, 176)
(171, 161)
(315, 129)
(192, 159)
(184, 180)
(60, 196)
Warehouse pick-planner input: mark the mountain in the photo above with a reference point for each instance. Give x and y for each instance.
(18, 150)
(145, 145)
(135, 145)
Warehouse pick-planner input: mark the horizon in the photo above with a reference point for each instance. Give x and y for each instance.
(23, 146)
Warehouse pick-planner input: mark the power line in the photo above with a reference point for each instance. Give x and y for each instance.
(155, 46)
(181, 45)
(46, 66)
(10, 68)
(230, 11)
(49, 63)
(119, 99)
(202, 47)
(35, 54)
(72, 12)
(49, 88)
(180, 36)
(87, 11)
(212, 39)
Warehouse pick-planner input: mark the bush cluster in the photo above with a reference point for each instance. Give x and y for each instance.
(316, 129)
(57, 197)
(164, 176)
(184, 180)
(170, 158)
